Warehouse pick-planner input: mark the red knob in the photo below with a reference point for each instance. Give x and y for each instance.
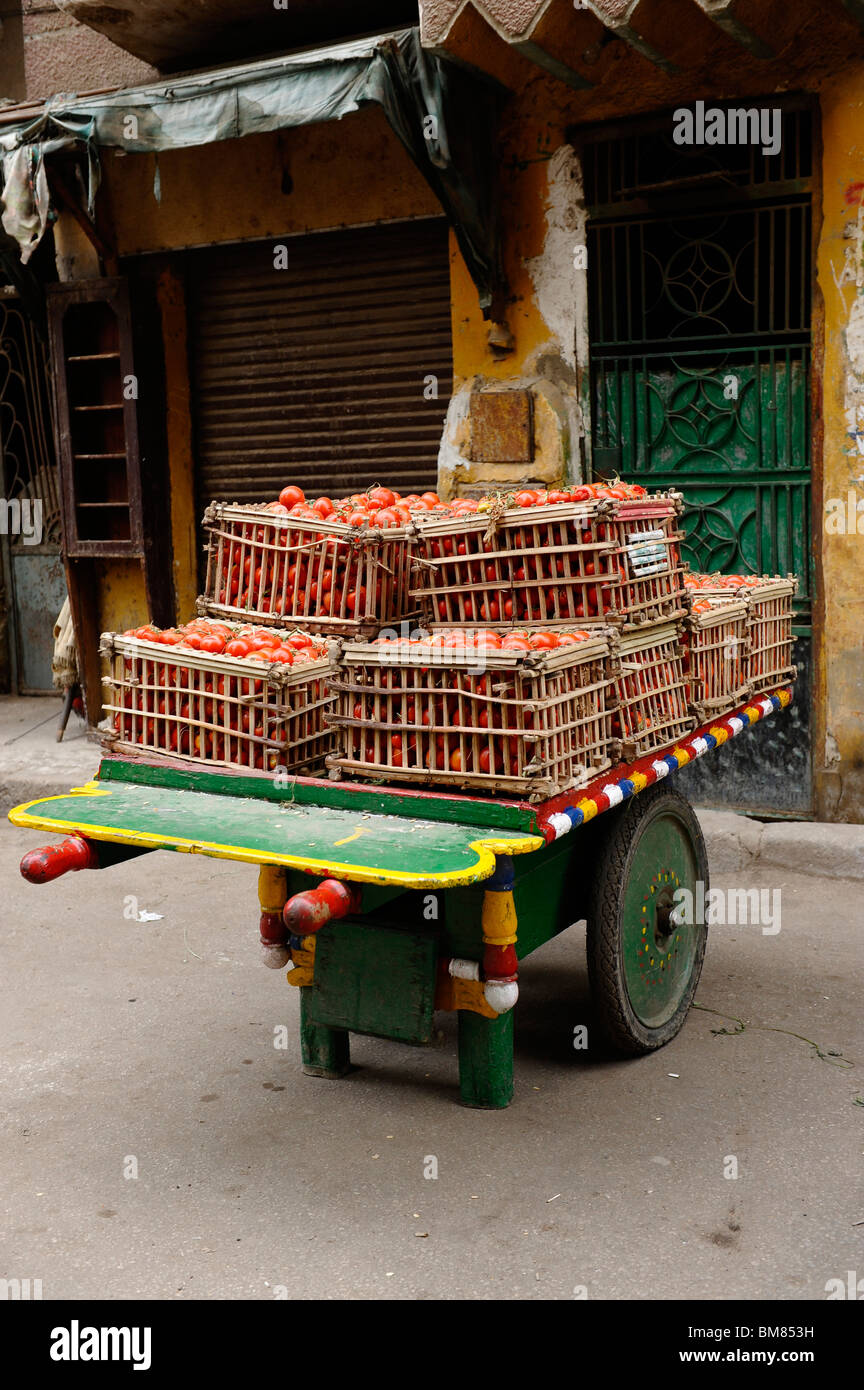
(42, 865)
(308, 912)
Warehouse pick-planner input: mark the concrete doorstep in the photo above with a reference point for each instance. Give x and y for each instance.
(33, 764)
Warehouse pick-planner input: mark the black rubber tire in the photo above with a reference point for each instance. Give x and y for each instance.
(621, 1029)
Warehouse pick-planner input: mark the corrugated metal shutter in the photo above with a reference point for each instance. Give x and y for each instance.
(314, 374)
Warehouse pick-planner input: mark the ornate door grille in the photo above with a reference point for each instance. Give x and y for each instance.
(700, 337)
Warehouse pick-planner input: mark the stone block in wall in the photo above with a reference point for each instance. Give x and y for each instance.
(547, 451)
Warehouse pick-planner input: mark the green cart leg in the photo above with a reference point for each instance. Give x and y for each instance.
(485, 1060)
(325, 1051)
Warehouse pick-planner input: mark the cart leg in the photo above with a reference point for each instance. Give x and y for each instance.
(325, 1051)
(485, 1060)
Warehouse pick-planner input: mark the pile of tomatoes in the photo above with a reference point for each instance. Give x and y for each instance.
(281, 572)
(719, 581)
(384, 507)
(265, 644)
(485, 639)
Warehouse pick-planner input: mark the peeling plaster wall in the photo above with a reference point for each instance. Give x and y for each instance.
(548, 321)
(839, 512)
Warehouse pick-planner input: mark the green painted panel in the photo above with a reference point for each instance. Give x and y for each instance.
(377, 980)
(351, 843)
(545, 897)
(338, 795)
(730, 430)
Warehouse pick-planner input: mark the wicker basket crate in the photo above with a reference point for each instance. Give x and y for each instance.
(651, 690)
(323, 576)
(573, 562)
(222, 710)
(717, 642)
(769, 613)
(533, 723)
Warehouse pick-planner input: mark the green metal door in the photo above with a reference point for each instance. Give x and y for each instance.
(699, 312)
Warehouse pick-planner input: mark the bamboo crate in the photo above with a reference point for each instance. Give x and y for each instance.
(769, 612)
(651, 689)
(323, 576)
(717, 643)
(609, 561)
(222, 710)
(533, 723)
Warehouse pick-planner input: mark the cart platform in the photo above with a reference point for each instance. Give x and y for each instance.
(419, 840)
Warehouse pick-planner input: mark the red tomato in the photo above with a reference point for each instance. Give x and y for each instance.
(382, 496)
(290, 496)
(238, 647)
(323, 506)
(385, 518)
(526, 498)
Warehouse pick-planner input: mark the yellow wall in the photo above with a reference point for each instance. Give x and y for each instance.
(338, 174)
(349, 172)
(839, 737)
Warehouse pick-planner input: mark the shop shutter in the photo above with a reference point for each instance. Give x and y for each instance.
(318, 373)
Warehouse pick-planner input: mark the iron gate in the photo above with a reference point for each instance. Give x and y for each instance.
(699, 320)
(34, 580)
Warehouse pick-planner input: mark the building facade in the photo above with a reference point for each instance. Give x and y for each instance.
(653, 227)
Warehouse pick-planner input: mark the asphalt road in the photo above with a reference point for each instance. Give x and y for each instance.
(148, 1047)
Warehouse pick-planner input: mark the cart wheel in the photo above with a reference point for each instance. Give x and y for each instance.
(643, 965)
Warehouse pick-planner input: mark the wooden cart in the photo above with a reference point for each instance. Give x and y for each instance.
(389, 902)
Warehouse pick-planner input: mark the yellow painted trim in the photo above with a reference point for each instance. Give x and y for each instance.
(272, 887)
(485, 850)
(721, 735)
(640, 782)
(452, 994)
(588, 809)
(498, 919)
(302, 975)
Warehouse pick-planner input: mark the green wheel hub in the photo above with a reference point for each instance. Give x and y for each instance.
(658, 948)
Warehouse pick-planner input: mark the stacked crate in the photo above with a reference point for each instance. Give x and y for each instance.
(530, 723)
(768, 601)
(223, 710)
(322, 575)
(717, 641)
(612, 561)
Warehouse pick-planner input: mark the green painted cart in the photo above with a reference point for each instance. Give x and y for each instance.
(389, 904)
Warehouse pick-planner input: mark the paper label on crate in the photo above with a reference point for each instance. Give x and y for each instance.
(646, 551)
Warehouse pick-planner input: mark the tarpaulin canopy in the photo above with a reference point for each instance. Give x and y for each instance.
(445, 117)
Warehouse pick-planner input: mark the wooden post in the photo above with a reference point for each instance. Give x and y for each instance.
(325, 1051)
(485, 1060)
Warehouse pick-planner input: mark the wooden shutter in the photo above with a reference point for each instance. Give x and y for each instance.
(318, 373)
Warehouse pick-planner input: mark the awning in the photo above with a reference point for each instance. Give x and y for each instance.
(445, 117)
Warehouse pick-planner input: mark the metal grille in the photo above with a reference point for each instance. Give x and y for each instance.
(29, 466)
(700, 337)
(333, 373)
